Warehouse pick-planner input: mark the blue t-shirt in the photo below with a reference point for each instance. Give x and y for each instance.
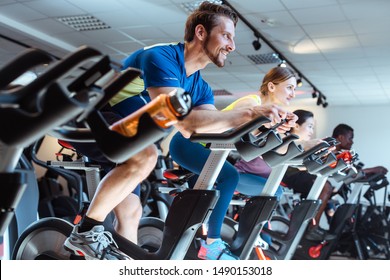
(163, 66)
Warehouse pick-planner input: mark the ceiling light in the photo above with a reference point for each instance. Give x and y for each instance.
(299, 82)
(282, 64)
(280, 60)
(319, 100)
(256, 44)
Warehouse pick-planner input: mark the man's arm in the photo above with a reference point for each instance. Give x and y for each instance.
(376, 169)
(206, 118)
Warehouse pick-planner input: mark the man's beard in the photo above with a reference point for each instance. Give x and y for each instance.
(213, 58)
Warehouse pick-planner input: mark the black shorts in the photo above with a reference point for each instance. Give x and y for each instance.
(300, 181)
(93, 152)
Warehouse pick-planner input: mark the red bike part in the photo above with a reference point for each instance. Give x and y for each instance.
(260, 254)
(345, 156)
(315, 251)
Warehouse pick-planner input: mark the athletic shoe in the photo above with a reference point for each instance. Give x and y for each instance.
(95, 244)
(319, 234)
(215, 251)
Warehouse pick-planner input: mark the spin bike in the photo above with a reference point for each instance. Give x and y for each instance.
(317, 161)
(190, 208)
(27, 113)
(363, 231)
(57, 108)
(279, 164)
(257, 209)
(244, 236)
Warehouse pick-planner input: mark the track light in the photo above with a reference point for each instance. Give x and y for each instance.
(256, 44)
(282, 64)
(319, 100)
(299, 82)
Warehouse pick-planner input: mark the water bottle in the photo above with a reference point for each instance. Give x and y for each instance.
(165, 110)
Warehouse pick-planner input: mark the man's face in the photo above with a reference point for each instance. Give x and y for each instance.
(346, 140)
(219, 43)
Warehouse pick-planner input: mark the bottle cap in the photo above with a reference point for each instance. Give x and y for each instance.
(181, 102)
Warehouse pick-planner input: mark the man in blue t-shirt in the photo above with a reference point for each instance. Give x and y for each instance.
(209, 38)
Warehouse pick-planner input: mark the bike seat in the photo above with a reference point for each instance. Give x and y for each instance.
(177, 175)
(65, 145)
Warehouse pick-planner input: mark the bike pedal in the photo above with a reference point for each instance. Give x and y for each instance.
(197, 243)
(262, 244)
(76, 258)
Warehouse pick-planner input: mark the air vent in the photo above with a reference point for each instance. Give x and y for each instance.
(221, 92)
(84, 22)
(265, 58)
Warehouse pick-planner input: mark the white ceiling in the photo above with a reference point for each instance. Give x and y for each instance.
(341, 46)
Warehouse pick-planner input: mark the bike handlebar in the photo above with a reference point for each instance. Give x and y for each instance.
(230, 136)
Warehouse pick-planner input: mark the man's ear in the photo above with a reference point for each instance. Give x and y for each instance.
(200, 32)
(340, 138)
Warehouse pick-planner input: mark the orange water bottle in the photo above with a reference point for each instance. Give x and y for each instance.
(165, 110)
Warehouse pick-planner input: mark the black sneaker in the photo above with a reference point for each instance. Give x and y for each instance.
(319, 234)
